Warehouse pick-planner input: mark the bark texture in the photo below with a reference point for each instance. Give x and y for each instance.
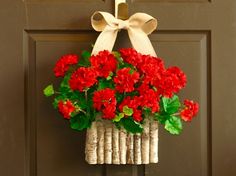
(145, 143)
(91, 144)
(137, 149)
(108, 142)
(100, 149)
(123, 147)
(154, 142)
(130, 148)
(115, 146)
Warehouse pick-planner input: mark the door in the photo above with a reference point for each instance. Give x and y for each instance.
(197, 35)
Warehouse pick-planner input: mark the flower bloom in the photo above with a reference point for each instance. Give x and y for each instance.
(105, 101)
(172, 81)
(190, 110)
(131, 56)
(125, 80)
(62, 65)
(149, 98)
(104, 63)
(134, 104)
(66, 108)
(82, 78)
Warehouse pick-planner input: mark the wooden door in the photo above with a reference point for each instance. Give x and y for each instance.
(197, 35)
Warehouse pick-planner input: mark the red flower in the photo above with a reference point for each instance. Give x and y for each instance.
(191, 110)
(133, 103)
(125, 80)
(104, 62)
(105, 101)
(172, 81)
(152, 68)
(131, 56)
(149, 98)
(82, 79)
(66, 108)
(63, 64)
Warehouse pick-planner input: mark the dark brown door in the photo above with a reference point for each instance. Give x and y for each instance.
(197, 35)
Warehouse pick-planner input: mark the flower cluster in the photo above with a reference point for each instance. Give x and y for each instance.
(124, 87)
(63, 64)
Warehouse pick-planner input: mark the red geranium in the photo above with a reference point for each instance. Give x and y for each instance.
(152, 68)
(66, 108)
(105, 101)
(125, 80)
(172, 81)
(134, 104)
(149, 98)
(63, 64)
(131, 56)
(190, 110)
(82, 79)
(104, 62)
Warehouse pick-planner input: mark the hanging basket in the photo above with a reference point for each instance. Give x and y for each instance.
(105, 144)
(120, 97)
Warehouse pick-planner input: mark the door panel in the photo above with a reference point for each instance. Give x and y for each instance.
(197, 35)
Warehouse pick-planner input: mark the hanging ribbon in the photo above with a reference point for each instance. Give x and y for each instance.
(139, 26)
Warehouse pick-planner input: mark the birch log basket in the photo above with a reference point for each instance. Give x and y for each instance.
(105, 144)
(120, 97)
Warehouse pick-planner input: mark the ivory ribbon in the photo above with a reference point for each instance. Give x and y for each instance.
(139, 26)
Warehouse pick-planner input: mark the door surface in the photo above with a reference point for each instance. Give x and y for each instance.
(197, 35)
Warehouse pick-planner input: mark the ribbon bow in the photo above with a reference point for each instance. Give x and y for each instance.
(138, 26)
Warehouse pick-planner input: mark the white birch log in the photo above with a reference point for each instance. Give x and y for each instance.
(137, 149)
(108, 142)
(145, 142)
(130, 148)
(91, 144)
(115, 145)
(100, 150)
(154, 142)
(123, 147)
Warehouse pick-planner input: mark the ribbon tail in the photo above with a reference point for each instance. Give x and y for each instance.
(105, 40)
(141, 42)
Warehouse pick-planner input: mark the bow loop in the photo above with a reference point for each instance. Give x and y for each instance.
(144, 21)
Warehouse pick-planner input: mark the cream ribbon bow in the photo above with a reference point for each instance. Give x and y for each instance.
(138, 26)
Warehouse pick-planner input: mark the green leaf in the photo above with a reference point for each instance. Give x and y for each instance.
(84, 61)
(147, 111)
(161, 118)
(48, 91)
(118, 117)
(170, 105)
(79, 122)
(64, 86)
(110, 76)
(119, 97)
(131, 126)
(128, 111)
(103, 83)
(174, 125)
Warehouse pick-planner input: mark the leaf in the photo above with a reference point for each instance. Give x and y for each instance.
(48, 91)
(147, 111)
(84, 61)
(79, 122)
(132, 126)
(103, 83)
(174, 125)
(128, 111)
(118, 117)
(64, 86)
(170, 105)
(161, 118)
(119, 97)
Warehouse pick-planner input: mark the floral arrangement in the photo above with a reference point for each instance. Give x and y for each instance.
(124, 87)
